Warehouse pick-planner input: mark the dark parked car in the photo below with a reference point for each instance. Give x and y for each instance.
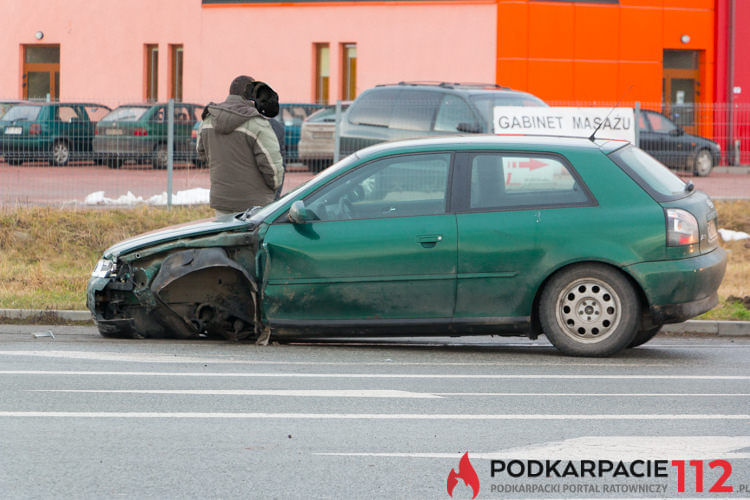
(594, 244)
(667, 142)
(54, 131)
(408, 110)
(139, 132)
(291, 115)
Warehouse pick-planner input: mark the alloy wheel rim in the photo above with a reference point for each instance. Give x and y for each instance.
(60, 153)
(703, 162)
(588, 310)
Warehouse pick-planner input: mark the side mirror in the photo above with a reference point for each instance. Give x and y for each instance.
(470, 128)
(298, 214)
(676, 132)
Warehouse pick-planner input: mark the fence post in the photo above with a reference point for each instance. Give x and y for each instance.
(170, 150)
(336, 134)
(636, 125)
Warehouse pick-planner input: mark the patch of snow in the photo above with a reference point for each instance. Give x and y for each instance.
(195, 196)
(729, 235)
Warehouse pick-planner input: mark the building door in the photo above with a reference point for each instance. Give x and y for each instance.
(681, 87)
(41, 72)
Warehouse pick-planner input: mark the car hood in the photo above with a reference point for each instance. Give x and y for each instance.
(172, 233)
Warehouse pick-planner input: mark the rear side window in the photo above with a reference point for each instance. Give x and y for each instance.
(22, 113)
(374, 108)
(649, 173)
(125, 114)
(507, 181)
(95, 113)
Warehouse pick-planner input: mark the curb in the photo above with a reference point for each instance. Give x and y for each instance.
(43, 315)
(703, 327)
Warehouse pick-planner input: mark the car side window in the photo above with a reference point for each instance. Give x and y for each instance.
(95, 113)
(398, 186)
(660, 123)
(452, 111)
(67, 114)
(505, 181)
(374, 108)
(415, 110)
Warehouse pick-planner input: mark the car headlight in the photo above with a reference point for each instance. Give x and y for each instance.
(103, 268)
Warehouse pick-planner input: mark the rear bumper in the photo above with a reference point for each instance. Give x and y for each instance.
(678, 290)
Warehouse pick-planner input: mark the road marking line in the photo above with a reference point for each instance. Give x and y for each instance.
(544, 376)
(326, 393)
(367, 416)
(378, 393)
(625, 448)
(592, 394)
(173, 359)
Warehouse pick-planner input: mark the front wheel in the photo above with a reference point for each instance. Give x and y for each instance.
(589, 310)
(703, 163)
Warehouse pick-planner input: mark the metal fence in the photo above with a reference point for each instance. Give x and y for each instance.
(122, 152)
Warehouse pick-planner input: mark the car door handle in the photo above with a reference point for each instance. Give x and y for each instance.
(429, 240)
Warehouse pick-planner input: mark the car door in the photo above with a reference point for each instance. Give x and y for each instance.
(510, 203)
(663, 140)
(72, 123)
(383, 250)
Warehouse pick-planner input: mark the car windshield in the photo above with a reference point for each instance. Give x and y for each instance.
(651, 172)
(486, 103)
(21, 112)
(125, 114)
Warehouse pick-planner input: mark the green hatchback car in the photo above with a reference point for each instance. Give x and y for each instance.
(54, 131)
(592, 243)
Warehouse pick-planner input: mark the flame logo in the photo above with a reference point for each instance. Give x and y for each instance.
(465, 472)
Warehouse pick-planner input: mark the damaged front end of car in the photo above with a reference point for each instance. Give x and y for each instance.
(182, 282)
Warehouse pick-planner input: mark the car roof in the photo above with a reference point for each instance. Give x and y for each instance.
(58, 103)
(491, 141)
(467, 88)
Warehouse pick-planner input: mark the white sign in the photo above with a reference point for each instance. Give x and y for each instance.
(612, 123)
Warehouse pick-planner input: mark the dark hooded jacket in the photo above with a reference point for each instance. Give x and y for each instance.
(243, 155)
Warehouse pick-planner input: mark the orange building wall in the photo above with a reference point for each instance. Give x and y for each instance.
(600, 53)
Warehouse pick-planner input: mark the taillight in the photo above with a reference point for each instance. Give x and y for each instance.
(140, 132)
(35, 129)
(682, 228)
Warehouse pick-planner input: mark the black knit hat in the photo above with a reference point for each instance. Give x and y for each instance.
(266, 99)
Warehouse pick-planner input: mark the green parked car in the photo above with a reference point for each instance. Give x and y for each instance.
(53, 131)
(594, 244)
(139, 132)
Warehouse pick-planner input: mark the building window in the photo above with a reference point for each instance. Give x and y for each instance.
(348, 71)
(152, 72)
(175, 72)
(322, 72)
(41, 72)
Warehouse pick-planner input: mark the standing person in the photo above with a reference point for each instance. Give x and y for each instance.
(267, 102)
(241, 150)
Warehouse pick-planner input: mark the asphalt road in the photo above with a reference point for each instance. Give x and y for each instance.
(87, 417)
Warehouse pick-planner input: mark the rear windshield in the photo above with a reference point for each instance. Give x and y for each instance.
(21, 112)
(654, 177)
(486, 103)
(125, 114)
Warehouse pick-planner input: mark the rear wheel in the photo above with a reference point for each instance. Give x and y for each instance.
(644, 336)
(703, 163)
(113, 163)
(60, 153)
(159, 160)
(589, 310)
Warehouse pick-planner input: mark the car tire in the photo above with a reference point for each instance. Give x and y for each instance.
(113, 163)
(589, 310)
(14, 161)
(703, 163)
(159, 160)
(60, 154)
(120, 334)
(644, 336)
